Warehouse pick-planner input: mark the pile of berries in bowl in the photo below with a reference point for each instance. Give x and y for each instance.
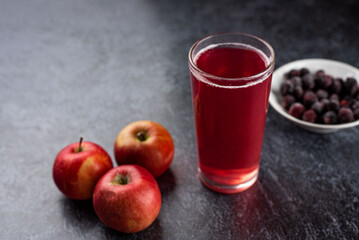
(319, 97)
(317, 94)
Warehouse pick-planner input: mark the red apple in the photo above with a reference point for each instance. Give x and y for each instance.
(145, 143)
(127, 198)
(78, 167)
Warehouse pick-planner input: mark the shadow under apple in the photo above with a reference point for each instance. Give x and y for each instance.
(167, 183)
(152, 232)
(80, 217)
(79, 214)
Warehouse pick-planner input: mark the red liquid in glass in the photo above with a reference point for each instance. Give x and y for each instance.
(230, 121)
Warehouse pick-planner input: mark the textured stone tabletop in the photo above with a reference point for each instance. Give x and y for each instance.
(71, 68)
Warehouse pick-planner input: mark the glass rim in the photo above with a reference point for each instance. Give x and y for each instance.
(256, 76)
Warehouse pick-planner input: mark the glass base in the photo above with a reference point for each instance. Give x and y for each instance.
(228, 189)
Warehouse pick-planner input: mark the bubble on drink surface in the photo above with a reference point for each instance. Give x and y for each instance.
(262, 76)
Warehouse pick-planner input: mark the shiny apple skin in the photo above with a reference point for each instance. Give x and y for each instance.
(76, 173)
(155, 153)
(131, 207)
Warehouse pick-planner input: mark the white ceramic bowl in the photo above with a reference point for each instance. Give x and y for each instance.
(334, 68)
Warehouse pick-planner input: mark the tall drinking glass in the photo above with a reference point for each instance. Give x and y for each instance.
(230, 77)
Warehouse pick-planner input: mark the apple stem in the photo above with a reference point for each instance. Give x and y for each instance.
(141, 135)
(121, 180)
(80, 148)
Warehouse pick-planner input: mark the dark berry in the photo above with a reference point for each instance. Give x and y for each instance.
(308, 81)
(303, 71)
(354, 91)
(329, 80)
(345, 115)
(349, 99)
(318, 107)
(355, 105)
(333, 105)
(330, 118)
(320, 82)
(322, 94)
(320, 73)
(298, 92)
(344, 103)
(356, 113)
(325, 103)
(287, 88)
(334, 96)
(309, 98)
(297, 81)
(349, 83)
(309, 116)
(287, 101)
(337, 85)
(296, 110)
(293, 72)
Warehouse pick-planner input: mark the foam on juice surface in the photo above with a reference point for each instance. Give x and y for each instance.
(252, 80)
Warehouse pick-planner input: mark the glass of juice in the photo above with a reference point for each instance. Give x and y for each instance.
(230, 78)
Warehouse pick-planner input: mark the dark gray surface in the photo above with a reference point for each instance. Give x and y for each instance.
(71, 68)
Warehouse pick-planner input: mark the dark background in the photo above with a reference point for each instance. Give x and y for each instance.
(74, 67)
